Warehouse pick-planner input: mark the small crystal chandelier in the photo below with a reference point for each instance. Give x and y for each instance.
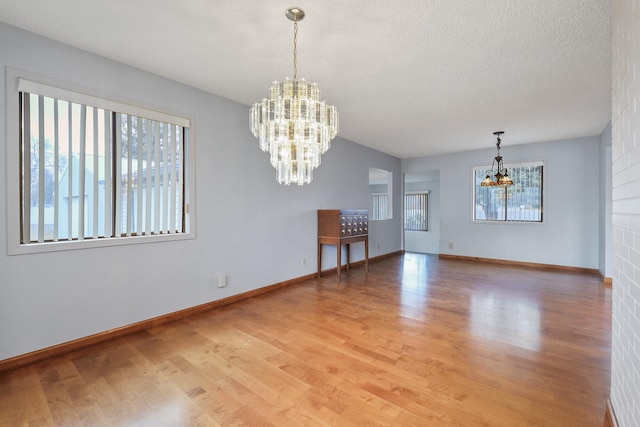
(499, 176)
(294, 125)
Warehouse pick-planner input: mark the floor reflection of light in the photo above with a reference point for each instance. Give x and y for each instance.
(510, 319)
(171, 414)
(413, 286)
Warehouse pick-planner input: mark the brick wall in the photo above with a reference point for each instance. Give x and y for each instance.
(625, 369)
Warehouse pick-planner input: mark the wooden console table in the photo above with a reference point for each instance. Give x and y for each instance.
(342, 227)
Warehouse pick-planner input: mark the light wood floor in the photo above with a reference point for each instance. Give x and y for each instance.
(417, 342)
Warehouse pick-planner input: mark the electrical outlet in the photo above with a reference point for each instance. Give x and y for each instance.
(378, 246)
(222, 280)
(450, 245)
(303, 262)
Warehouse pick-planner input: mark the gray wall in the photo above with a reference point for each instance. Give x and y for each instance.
(248, 227)
(569, 234)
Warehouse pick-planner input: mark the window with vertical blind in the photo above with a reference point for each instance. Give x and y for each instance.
(380, 192)
(520, 202)
(96, 170)
(379, 206)
(416, 211)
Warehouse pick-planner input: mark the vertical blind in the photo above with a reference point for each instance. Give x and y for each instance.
(90, 172)
(520, 202)
(416, 211)
(379, 206)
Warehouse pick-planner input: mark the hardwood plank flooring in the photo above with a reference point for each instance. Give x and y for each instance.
(418, 341)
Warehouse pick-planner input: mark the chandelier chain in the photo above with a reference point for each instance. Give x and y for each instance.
(295, 51)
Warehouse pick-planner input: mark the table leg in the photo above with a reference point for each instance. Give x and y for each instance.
(339, 259)
(319, 258)
(366, 254)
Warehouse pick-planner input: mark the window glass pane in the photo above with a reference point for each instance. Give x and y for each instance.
(81, 180)
(379, 205)
(416, 211)
(524, 196)
(61, 140)
(380, 184)
(151, 155)
(520, 202)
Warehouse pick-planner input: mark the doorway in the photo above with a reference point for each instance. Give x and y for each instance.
(422, 220)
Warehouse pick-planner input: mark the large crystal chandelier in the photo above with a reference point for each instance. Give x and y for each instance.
(498, 176)
(294, 125)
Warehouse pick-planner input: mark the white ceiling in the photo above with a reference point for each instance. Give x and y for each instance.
(409, 78)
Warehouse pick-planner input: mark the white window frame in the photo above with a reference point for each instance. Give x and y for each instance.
(509, 166)
(18, 81)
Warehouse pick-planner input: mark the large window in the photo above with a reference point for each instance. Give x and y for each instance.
(520, 202)
(416, 211)
(94, 170)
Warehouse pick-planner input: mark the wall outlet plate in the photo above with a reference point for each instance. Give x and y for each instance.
(222, 280)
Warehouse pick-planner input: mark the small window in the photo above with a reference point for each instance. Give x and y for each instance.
(96, 170)
(379, 205)
(380, 184)
(520, 202)
(416, 211)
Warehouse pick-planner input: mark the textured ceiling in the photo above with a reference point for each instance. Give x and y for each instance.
(409, 78)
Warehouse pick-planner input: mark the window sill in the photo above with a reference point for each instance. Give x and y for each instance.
(33, 248)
